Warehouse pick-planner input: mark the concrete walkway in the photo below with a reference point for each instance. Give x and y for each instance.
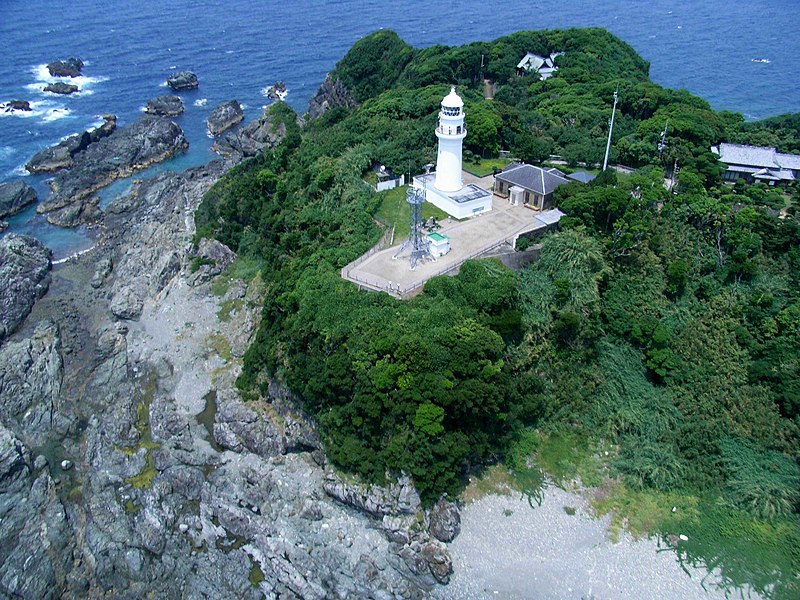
(385, 271)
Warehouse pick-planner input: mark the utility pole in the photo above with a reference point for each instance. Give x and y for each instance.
(663, 143)
(611, 128)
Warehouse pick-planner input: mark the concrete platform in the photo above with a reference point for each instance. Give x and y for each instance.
(381, 271)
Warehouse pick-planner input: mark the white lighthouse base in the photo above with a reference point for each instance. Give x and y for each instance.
(469, 201)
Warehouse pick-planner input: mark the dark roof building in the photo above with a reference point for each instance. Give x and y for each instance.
(532, 186)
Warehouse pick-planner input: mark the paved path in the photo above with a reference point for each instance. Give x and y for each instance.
(468, 239)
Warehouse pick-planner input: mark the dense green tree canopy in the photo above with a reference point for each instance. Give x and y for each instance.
(663, 322)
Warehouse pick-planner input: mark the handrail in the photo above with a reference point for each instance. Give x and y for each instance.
(382, 285)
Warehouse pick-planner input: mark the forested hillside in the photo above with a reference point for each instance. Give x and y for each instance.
(653, 350)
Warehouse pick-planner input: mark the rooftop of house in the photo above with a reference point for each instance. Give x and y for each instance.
(581, 176)
(756, 156)
(533, 61)
(536, 179)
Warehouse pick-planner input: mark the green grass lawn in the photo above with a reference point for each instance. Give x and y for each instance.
(486, 166)
(567, 169)
(395, 212)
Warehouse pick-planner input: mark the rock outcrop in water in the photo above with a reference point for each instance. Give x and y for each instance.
(183, 80)
(132, 148)
(62, 88)
(277, 91)
(25, 273)
(331, 94)
(251, 139)
(14, 196)
(165, 106)
(60, 156)
(223, 117)
(16, 105)
(70, 67)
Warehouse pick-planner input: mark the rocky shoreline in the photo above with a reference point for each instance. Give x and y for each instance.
(129, 463)
(130, 466)
(149, 140)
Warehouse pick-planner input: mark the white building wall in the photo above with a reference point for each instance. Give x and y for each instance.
(448, 164)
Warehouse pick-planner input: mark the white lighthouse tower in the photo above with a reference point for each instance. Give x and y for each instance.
(451, 133)
(445, 188)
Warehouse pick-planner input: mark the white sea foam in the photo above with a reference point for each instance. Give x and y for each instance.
(281, 95)
(54, 114)
(47, 110)
(201, 102)
(20, 171)
(73, 255)
(99, 120)
(6, 111)
(82, 81)
(243, 106)
(6, 151)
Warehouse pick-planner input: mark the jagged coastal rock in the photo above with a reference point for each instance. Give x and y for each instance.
(131, 466)
(60, 156)
(31, 371)
(60, 87)
(169, 105)
(331, 94)
(25, 272)
(277, 91)
(251, 139)
(14, 196)
(444, 521)
(16, 105)
(150, 140)
(70, 67)
(223, 117)
(183, 80)
(33, 515)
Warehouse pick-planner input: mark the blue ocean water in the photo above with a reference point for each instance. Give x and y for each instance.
(240, 47)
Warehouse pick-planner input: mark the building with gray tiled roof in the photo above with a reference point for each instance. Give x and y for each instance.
(757, 164)
(528, 185)
(545, 66)
(581, 176)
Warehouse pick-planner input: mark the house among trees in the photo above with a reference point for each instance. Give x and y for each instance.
(529, 186)
(533, 63)
(758, 164)
(581, 176)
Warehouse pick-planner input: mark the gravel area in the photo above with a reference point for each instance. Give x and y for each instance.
(178, 325)
(509, 550)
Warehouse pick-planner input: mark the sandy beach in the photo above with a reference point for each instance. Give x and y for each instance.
(509, 550)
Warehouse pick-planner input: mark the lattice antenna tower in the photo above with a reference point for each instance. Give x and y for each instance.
(417, 244)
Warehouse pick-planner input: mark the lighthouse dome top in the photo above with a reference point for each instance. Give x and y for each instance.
(452, 100)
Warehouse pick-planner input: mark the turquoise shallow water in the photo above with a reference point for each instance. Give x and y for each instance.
(238, 48)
